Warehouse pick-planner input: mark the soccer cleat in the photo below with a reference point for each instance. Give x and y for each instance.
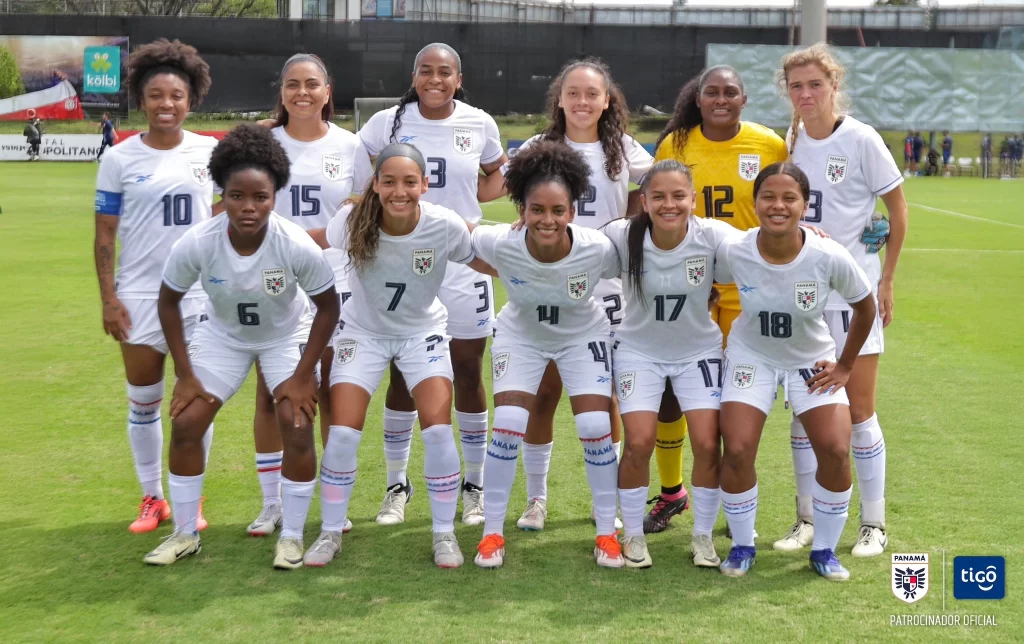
(446, 550)
(267, 522)
(635, 552)
(151, 512)
(348, 526)
(740, 560)
(490, 552)
(323, 551)
(800, 535)
(173, 548)
(472, 504)
(392, 510)
(288, 554)
(593, 518)
(201, 523)
(871, 543)
(534, 515)
(608, 551)
(656, 520)
(825, 563)
(703, 550)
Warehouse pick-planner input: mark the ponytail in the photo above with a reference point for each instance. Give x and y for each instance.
(364, 227)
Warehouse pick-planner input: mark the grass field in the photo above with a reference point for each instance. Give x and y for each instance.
(949, 400)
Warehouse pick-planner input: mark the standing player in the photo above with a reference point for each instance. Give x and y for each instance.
(849, 168)
(947, 152)
(328, 164)
(252, 263)
(108, 133)
(725, 153)
(458, 142)
(782, 338)
(150, 191)
(550, 269)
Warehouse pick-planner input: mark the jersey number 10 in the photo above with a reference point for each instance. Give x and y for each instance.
(177, 210)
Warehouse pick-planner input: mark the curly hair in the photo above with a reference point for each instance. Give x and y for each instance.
(168, 57)
(250, 146)
(412, 96)
(611, 126)
(789, 169)
(544, 162)
(327, 113)
(820, 55)
(686, 114)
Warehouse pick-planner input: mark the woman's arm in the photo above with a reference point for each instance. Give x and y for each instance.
(899, 220)
(300, 388)
(491, 184)
(834, 375)
(116, 321)
(188, 387)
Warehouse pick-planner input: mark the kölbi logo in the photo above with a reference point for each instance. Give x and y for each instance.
(102, 70)
(979, 577)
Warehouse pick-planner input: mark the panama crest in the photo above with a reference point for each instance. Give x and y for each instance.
(422, 261)
(331, 167)
(463, 140)
(625, 384)
(750, 165)
(273, 281)
(743, 376)
(910, 577)
(499, 364)
(806, 295)
(696, 270)
(579, 284)
(345, 351)
(200, 172)
(835, 169)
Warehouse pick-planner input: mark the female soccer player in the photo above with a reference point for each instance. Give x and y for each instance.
(400, 248)
(252, 264)
(328, 164)
(458, 141)
(550, 268)
(150, 191)
(108, 133)
(725, 153)
(782, 338)
(849, 168)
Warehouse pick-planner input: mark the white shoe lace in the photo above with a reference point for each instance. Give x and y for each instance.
(472, 501)
(794, 531)
(634, 548)
(324, 542)
(267, 515)
(445, 544)
(704, 548)
(534, 511)
(866, 533)
(393, 503)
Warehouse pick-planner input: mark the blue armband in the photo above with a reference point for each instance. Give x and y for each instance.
(108, 203)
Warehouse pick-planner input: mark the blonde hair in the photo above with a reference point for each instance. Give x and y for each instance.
(821, 55)
(364, 227)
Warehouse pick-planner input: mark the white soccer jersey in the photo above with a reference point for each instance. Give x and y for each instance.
(396, 296)
(782, 319)
(848, 171)
(549, 305)
(672, 322)
(159, 195)
(454, 149)
(254, 300)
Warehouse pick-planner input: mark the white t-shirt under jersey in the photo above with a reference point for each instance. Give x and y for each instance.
(848, 171)
(782, 320)
(454, 149)
(549, 305)
(254, 300)
(396, 296)
(159, 195)
(672, 322)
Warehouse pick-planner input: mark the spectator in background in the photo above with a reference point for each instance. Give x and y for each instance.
(1020, 147)
(109, 134)
(908, 154)
(918, 149)
(1007, 150)
(986, 154)
(932, 164)
(33, 135)
(947, 151)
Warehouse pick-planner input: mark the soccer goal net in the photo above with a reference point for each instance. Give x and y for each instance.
(367, 107)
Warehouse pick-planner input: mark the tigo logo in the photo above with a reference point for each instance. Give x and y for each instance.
(102, 70)
(979, 577)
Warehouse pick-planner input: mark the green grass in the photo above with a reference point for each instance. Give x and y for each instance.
(949, 400)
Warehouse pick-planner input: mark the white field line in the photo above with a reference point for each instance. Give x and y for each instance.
(963, 216)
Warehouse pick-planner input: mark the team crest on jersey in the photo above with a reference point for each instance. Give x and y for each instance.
(750, 165)
(331, 167)
(806, 295)
(910, 577)
(743, 376)
(696, 270)
(625, 384)
(200, 172)
(422, 260)
(273, 281)
(835, 169)
(499, 364)
(345, 351)
(463, 140)
(579, 284)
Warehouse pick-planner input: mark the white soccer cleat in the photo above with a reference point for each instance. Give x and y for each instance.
(703, 549)
(324, 549)
(800, 535)
(871, 542)
(534, 516)
(177, 546)
(392, 509)
(490, 552)
(593, 517)
(635, 552)
(288, 554)
(267, 522)
(472, 504)
(446, 550)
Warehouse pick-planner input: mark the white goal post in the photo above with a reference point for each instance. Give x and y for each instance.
(367, 107)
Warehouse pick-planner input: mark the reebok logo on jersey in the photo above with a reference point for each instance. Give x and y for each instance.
(747, 289)
(806, 295)
(422, 260)
(214, 280)
(518, 282)
(406, 139)
(579, 284)
(143, 178)
(835, 169)
(273, 281)
(750, 165)
(743, 376)
(696, 269)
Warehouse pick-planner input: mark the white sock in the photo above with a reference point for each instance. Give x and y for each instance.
(268, 467)
(595, 431)
(869, 461)
(706, 501)
(805, 466)
(618, 451)
(740, 512)
(473, 435)
(207, 442)
(397, 443)
(500, 472)
(146, 435)
(338, 475)
(633, 503)
(295, 498)
(536, 463)
(830, 512)
(441, 469)
(185, 494)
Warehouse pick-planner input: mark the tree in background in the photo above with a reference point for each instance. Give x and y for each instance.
(897, 3)
(180, 8)
(10, 76)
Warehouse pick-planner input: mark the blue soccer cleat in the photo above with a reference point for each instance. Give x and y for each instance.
(825, 563)
(741, 558)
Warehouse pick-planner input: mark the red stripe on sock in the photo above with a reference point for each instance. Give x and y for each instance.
(498, 430)
(135, 402)
(447, 476)
(596, 440)
(263, 470)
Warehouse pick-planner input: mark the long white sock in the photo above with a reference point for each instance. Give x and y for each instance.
(207, 443)
(473, 435)
(146, 435)
(869, 461)
(441, 469)
(705, 508)
(633, 502)
(338, 475)
(740, 512)
(397, 443)
(595, 431)
(536, 463)
(295, 498)
(185, 494)
(830, 512)
(500, 472)
(805, 465)
(268, 467)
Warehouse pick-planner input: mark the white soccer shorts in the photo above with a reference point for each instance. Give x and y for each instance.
(750, 380)
(145, 319)
(585, 366)
(838, 321)
(361, 358)
(469, 298)
(640, 381)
